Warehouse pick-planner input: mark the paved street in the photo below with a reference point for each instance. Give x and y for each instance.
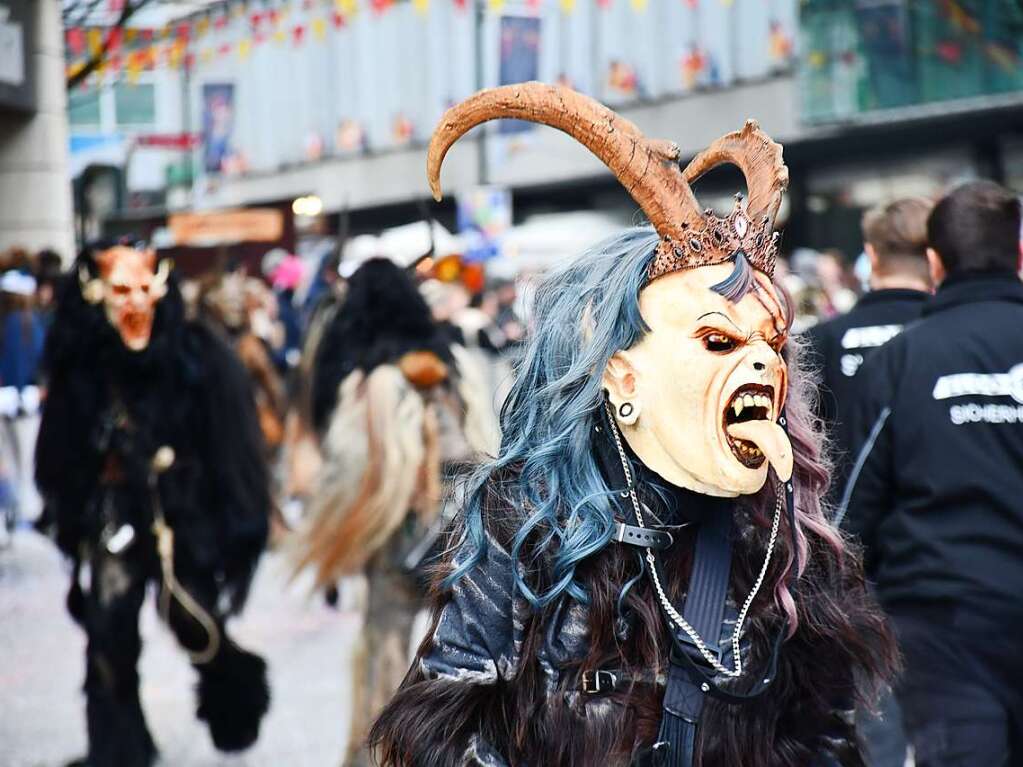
(41, 671)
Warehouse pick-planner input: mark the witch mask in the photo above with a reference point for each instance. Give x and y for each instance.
(699, 396)
(129, 285)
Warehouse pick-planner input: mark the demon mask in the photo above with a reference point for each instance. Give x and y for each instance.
(129, 285)
(698, 398)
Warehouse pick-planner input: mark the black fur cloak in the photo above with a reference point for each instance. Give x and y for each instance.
(186, 390)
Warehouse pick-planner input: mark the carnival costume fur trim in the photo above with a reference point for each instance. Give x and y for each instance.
(395, 375)
(381, 429)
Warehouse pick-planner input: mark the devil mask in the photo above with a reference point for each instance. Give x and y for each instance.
(128, 286)
(699, 396)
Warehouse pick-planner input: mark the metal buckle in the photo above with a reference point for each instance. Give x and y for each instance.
(599, 681)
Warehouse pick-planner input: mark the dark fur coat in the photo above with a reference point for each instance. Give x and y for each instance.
(382, 316)
(496, 683)
(186, 390)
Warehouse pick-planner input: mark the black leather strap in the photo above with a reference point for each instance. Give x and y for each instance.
(704, 610)
(644, 537)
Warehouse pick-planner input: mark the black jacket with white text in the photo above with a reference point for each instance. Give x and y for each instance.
(838, 348)
(936, 490)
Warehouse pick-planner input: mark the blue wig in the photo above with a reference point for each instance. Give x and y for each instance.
(584, 313)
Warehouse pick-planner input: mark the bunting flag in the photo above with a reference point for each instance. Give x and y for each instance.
(244, 49)
(421, 6)
(567, 6)
(319, 29)
(76, 41)
(95, 38)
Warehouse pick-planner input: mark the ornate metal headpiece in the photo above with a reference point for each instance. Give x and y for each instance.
(649, 170)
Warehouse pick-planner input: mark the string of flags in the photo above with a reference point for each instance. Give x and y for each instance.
(237, 27)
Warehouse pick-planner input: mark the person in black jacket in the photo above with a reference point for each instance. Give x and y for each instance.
(895, 240)
(936, 491)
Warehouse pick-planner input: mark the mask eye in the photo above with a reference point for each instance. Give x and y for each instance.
(121, 290)
(719, 343)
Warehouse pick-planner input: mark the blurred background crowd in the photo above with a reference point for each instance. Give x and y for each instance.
(270, 147)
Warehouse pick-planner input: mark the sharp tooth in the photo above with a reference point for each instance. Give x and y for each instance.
(737, 406)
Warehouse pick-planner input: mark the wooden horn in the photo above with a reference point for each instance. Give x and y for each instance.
(758, 157)
(647, 168)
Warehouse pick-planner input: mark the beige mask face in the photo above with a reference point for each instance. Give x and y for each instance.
(131, 289)
(705, 385)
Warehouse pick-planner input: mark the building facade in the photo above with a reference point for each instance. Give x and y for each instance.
(336, 99)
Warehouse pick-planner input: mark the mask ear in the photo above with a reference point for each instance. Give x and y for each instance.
(620, 383)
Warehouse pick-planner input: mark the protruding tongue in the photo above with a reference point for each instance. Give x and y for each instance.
(772, 441)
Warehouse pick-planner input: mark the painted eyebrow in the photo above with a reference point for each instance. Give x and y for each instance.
(720, 314)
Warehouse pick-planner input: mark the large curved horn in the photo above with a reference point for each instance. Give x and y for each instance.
(647, 168)
(758, 157)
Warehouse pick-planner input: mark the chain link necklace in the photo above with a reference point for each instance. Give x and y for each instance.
(669, 608)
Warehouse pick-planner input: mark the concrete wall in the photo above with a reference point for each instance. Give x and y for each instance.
(35, 192)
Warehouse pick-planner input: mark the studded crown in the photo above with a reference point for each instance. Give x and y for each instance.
(649, 169)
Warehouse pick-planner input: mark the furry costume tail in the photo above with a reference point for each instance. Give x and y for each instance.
(233, 696)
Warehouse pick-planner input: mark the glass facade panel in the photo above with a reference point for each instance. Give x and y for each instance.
(83, 109)
(870, 55)
(135, 105)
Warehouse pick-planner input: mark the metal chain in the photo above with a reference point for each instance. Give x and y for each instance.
(666, 603)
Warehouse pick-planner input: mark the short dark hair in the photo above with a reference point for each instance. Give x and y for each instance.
(976, 228)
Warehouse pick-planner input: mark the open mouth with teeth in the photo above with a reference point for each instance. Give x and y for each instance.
(751, 402)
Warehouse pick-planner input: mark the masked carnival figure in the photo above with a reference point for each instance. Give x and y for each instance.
(151, 465)
(401, 411)
(232, 302)
(644, 575)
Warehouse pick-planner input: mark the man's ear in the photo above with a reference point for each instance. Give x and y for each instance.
(620, 382)
(875, 264)
(937, 268)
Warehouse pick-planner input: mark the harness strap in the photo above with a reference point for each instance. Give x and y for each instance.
(644, 537)
(704, 610)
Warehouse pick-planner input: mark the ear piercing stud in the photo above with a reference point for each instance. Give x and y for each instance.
(625, 410)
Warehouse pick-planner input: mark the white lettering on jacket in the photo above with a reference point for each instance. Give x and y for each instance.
(869, 336)
(981, 385)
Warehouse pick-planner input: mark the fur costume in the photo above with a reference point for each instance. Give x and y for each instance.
(400, 411)
(227, 300)
(644, 574)
(151, 466)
